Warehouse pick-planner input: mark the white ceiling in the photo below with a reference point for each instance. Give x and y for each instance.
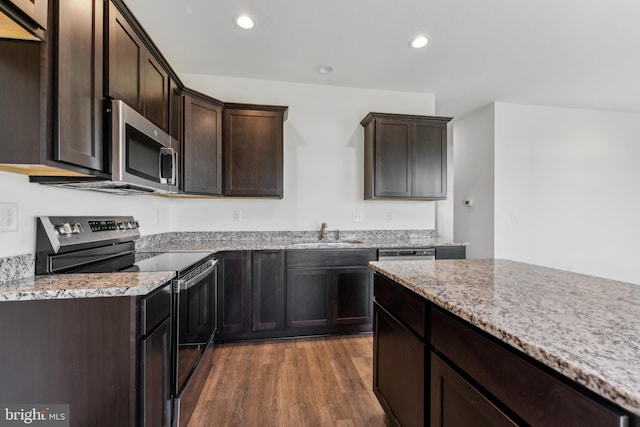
(574, 53)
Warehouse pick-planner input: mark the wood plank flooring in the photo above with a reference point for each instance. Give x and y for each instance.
(300, 382)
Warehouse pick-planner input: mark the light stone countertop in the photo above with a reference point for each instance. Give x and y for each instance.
(60, 286)
(241, 245)
(584, 327)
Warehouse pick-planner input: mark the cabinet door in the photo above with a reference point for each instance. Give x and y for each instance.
(175, 110)
(155, 96)
(398, 370)
(268, 298)
(456, 402)
(392, 158)
(34, 9)
(78, 124)
(155, 377)
(429, 160)
(253, 153)
(353, 295)
(127, 53)
(308, 297)
(234, 293)
(202, 147)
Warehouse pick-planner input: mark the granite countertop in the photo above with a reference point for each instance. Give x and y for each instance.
(241, 245)
(584, 327)
(59, 286)
(117, 284)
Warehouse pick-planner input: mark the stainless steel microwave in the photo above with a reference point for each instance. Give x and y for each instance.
(143, 158)
(142, 155)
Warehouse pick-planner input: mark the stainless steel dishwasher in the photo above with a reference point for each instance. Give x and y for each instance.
(399, 254)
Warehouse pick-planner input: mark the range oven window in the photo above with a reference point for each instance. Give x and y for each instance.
(142, 155)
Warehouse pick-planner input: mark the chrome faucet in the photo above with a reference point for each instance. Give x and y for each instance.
(323, 228)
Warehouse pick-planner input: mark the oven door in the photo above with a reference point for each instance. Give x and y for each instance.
(194, 328)
(143, 154)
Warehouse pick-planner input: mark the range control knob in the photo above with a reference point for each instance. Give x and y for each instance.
(76, 228)
(64, 229)
(122, 226)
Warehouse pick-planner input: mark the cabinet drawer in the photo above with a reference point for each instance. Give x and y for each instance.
(154, 308)
(403, 304)
(534, 395)
(330, 257)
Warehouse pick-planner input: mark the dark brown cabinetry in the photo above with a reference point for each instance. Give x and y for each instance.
(78, 135)
(154, 381)
(175, 109)
(329, 291)
(134, 74)
(268, 290)
(250, 294)
(405, 156)
(456, 402)
(399, 363)
(469, 377)
(202, 145)
(121, 369)
(23, 19)
(253, 150)
(234, 293)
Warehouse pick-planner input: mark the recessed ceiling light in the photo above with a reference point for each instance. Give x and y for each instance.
(245, 22)
(325, 69)
(418, 42)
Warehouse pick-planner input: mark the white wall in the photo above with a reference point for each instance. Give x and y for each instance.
(566, 189)
(323, 172)
(37, 200)
(323, 160)
(473, 154)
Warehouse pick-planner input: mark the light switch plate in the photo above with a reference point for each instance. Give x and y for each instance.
(8, 217)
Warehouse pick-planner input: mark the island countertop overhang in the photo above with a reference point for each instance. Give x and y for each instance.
(583, 327)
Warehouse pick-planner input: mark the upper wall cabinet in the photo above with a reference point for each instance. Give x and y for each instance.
(77, 80)
(134, 74)
(405, 157)
(51, 105)
(202, 145)
(23, 19)
(253, 150)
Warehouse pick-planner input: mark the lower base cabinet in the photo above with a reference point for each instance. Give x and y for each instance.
(274, 293)
(399, 367)
(468, 378)
(108, 358)
(455, 402)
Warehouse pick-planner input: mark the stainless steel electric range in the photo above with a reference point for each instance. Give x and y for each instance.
(74, 244)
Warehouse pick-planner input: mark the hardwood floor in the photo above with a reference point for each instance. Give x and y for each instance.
(301, 382)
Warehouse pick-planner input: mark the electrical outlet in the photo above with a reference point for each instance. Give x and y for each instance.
(389, 217)
(237, 216)
(358, 217)
(8, 217)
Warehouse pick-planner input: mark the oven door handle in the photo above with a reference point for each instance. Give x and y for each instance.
(183, 285)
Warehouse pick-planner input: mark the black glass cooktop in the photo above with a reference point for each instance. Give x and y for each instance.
(170, 261)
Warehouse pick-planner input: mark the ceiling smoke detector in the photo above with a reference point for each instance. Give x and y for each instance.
(324, 69)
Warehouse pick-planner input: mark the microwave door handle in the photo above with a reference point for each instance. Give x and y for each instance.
(167, 151)
(174, 167)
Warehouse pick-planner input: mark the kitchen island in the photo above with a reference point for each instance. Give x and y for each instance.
(578, 331)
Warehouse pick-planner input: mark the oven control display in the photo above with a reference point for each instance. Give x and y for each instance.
(102, 225)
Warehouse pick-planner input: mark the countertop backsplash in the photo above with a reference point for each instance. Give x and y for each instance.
(21, 266)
